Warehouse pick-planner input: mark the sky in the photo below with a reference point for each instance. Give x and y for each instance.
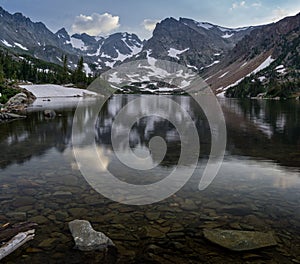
(103, 17)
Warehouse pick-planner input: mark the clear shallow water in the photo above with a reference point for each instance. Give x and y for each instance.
(257, 187)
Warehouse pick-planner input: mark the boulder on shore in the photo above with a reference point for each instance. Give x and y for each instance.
(86, 238)
(240, 240)
(19, 102)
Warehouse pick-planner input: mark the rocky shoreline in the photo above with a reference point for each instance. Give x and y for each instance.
(16, 106)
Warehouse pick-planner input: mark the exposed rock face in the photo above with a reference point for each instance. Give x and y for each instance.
(240, 240)
(280, 41)
(204, 43)
(86, 238)
(265, 38)
(39, 41)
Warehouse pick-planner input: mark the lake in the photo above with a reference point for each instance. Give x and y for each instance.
(256, 189)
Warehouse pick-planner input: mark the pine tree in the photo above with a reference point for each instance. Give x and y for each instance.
(79, 76)
(2, 77)
(65, 73)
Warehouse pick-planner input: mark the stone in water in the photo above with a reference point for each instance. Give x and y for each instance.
(86, 238)
(240, 240)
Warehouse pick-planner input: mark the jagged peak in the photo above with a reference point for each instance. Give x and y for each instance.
(169, 20)
(62, 31)
(20, 16)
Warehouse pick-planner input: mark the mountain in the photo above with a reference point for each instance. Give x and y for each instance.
(264, 62)
(245, 62)
(20, 34)
(193, 43)
(108, 51)
(186, 41)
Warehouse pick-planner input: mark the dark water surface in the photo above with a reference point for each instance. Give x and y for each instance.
(257, 187)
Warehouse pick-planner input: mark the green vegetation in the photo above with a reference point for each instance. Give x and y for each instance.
(274, 85)
(271, 82)
(7, 92)
(249, 87)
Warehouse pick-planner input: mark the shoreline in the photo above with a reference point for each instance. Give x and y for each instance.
(17, 106)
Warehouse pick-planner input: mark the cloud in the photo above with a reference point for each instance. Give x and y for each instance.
(238, 5)
(256, 4)
(279, 13)
(149, 24)
(95, 24)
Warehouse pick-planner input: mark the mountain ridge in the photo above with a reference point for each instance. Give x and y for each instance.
(259, 51)
(42, 43)
(223, 56)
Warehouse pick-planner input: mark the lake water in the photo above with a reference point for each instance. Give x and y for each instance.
(257, 187)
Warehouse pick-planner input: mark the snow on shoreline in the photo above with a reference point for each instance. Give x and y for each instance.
(52, 90)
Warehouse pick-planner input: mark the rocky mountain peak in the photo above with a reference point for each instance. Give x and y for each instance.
(63, 34)
(198, 44)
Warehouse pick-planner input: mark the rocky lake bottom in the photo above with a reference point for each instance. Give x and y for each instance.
(255, 190)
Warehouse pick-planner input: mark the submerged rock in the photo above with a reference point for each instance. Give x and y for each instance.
(86, 238)
(240, 240)
(50, 113)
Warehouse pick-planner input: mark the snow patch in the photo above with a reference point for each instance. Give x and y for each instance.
(135, 50)
(174, 52)
(185, 84)
(114, 78)
(280, 69)
(192, 67)
(6, 43)
(44, 70)
(151, 60)
(244, 64)
(204, 25)
(97, 53)
(221, 95)
(261, 78)
(233, 84)
(224, 74)
(103, 55)
(226, 36)
(20, 46)
(223, 29)
(165, 89)
(121, 57)
(110, 63)
(264, 65)
(51, 90)
(78, 44)
(87, 69)
(215, 62)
